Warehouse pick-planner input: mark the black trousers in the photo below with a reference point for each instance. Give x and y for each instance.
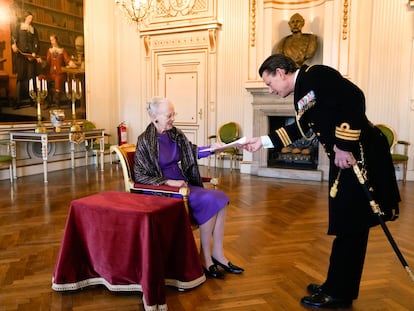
(346, 264)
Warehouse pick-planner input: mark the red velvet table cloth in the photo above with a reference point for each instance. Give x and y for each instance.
(128, 242)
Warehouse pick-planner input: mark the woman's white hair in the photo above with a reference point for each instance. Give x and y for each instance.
(154, 103)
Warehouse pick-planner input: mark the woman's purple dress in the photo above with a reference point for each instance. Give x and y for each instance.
(204, 203)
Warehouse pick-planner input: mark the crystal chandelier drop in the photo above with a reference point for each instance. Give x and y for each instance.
(137, 10)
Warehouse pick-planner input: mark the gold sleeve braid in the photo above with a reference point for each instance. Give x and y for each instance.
(283, 136)
(345, 132)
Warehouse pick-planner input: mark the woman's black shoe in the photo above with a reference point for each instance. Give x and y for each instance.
(213, 272)
(229, 268)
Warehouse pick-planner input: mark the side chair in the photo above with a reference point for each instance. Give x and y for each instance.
(6, 158)
(94, 145)
(227, 133)
(397, 158)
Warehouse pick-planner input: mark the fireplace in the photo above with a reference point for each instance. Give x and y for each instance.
(302, 154)
(271, 112)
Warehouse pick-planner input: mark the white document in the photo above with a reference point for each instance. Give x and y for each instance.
(234, 144)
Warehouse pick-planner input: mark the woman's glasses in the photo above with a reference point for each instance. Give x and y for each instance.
(171, 115)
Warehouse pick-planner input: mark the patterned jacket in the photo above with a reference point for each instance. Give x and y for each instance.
(147, 169)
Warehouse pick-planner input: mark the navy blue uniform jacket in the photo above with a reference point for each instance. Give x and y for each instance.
(334, 108)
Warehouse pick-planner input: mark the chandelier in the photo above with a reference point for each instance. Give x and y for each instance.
(137, 10)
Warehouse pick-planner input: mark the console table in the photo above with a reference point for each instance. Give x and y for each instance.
(54, 137)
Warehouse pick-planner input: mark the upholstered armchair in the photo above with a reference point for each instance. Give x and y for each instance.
(126, 154)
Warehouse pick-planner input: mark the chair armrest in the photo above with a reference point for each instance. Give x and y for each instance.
(158, 188)
(211, 180)
(166, 191)
(6, 143)
(214, 181)
(205, 179)
(161, 190)
(403, 145)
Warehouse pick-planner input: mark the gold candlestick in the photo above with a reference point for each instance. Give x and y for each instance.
(74, 94)
(38, 95)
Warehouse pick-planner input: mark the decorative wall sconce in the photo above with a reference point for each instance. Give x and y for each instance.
(137, 11)
(411, 3)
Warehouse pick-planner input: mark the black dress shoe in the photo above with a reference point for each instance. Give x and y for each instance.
(321, 300)
(314, 288)
(229, 268)
(213, 272)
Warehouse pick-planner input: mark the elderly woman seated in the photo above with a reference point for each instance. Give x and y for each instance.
(164, 156)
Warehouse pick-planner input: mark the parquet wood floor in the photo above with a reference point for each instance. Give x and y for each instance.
(276, 230)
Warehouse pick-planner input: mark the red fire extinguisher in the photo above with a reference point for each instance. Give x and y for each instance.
(122, 134)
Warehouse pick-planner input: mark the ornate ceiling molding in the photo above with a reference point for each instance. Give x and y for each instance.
(182, 15)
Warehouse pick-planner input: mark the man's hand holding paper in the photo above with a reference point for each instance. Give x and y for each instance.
(217, 146)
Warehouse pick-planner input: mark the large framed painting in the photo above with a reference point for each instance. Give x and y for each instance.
(41, 48)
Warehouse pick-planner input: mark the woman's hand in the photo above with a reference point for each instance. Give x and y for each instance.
(343, 159)
(175, 183)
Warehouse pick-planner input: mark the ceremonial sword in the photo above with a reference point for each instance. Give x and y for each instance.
(376, 209)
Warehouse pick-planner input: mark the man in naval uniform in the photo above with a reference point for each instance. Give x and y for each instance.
(334, 109)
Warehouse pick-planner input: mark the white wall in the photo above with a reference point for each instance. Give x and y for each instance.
(232, 57)
(382, 64)
(113, 67)
(380, 61)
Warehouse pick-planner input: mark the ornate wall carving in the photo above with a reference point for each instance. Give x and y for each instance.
(173, 15)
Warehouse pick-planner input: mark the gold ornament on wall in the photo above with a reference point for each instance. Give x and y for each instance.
(141, 11)
(212, 35)
(253, 8)
(183, 7)
(345, 21)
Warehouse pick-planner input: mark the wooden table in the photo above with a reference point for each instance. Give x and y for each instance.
(128, 242)
(54, 137)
